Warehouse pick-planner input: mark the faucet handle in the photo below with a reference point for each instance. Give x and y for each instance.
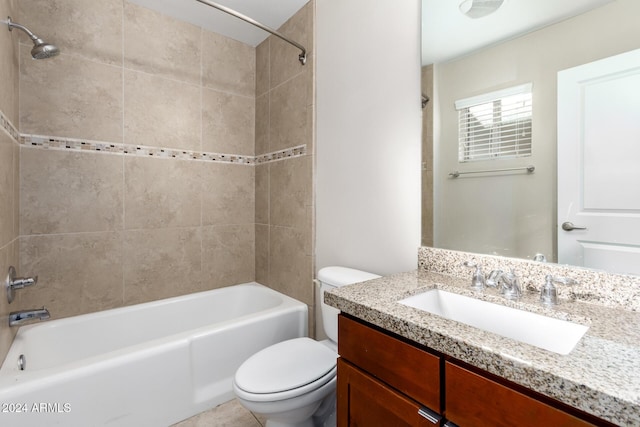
(494, 278)
(477, 280)
(540, 257)
(12, 283)
(563, 280)
(510, 285)
(549, 293)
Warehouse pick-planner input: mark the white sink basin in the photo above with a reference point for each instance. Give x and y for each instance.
(559, 336)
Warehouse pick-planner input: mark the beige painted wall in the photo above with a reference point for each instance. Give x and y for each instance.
(106, 230)
(515, 215)
(368, 135)
(9, 165)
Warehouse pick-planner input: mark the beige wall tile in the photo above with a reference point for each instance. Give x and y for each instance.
(7, 197)
(228, 195)
(68, 96)
(228, 123)
(262, 124)
(160, 45)
(161, 263)
(160, 193)
(262, 254)
(9, 64)
(228, 65)
(64, 192)
(290, 270)
(262, 68)
(6, 333)
(262, 194)
(288, 116)
(188, 225)
(161, 112)
(77, 273)
(290, 190)
(89, 29)
(228, 255)
(8, 256)
(284, 61)
(16, 190)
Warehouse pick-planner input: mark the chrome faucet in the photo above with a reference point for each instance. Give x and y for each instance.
(17, 318)
(549, 292)
(509, 285)
(14, 283)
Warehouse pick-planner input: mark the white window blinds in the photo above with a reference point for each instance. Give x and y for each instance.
(495, 125)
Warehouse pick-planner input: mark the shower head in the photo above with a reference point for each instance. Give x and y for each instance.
(41, 50)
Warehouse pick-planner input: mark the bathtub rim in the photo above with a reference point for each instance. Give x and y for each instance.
(11, 376)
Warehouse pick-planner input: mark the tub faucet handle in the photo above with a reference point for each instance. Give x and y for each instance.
(13, 283)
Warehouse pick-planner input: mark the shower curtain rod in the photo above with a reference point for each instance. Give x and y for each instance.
(302, 57)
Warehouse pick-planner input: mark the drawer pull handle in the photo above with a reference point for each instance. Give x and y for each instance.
(450, 424)
(430, 415)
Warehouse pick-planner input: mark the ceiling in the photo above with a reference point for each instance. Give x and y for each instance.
(448, 34)
(272, 13)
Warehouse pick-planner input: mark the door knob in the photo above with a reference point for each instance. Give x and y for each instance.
(568, 226)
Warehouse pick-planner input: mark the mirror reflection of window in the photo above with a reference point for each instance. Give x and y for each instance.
(495, 125)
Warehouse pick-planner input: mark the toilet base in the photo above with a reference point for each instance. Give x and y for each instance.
(310, 412)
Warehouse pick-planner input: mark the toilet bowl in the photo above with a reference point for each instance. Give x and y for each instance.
(293, 383)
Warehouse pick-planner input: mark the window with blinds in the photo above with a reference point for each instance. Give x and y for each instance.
(495, 125)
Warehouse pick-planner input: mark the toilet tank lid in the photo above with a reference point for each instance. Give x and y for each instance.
(341, 276)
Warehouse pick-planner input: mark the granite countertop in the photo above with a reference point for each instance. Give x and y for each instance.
(601, 376)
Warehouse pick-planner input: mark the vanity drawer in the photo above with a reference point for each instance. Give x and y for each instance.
(406, 368)
(473, 400)
(365, 401)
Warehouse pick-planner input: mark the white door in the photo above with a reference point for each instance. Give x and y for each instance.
(599, 164)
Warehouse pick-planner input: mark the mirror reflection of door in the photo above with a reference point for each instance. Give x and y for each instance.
(599, 164)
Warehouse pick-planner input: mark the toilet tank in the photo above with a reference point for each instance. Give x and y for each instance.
(334, 277)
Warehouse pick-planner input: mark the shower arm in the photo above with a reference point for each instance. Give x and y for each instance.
(13, 25)
(303, 55)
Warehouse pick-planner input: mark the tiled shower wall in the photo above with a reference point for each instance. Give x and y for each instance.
(160, 159)
(9, 163)
(284, 189)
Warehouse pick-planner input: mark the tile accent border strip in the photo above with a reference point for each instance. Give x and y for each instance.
(8, 127)
(72, 144)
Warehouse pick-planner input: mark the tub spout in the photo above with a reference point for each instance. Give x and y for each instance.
(17, 318)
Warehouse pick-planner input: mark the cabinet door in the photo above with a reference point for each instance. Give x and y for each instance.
(407, 368)
(475, 401)
(366, 402)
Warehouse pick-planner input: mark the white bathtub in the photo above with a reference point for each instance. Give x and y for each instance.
(150, 364)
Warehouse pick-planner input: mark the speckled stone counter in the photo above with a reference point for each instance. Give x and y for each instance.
(600, 376)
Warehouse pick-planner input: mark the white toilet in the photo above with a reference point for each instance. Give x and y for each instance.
(293, 383)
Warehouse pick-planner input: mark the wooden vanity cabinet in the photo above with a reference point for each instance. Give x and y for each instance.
(364, 401)
(474, 400)
(384, 380)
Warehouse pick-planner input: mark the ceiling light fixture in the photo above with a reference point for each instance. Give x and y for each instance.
(479, 8)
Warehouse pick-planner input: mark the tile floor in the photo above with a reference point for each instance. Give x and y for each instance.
(230, 414)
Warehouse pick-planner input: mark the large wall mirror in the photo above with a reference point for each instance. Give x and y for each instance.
(511, 213)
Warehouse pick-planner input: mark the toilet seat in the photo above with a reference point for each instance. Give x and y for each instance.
(285, 370)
